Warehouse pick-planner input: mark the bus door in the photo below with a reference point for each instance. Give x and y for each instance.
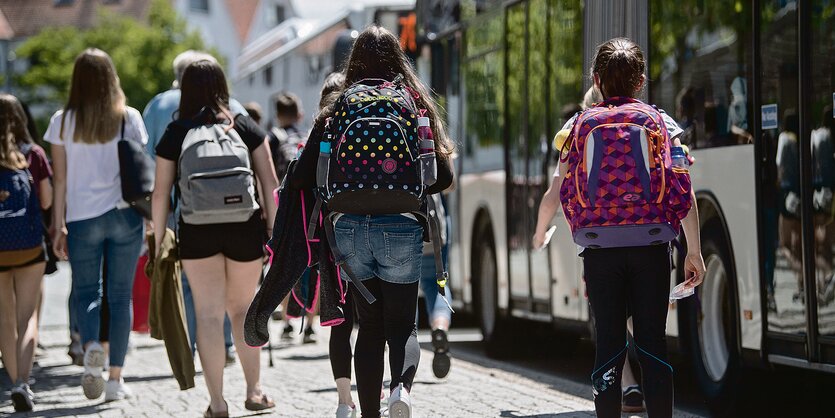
(797, 91)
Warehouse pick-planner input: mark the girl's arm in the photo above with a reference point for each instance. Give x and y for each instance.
(161, 199)
(59, 201)
(694, 265)
(265, 171)
(548, 207)
(45, 195)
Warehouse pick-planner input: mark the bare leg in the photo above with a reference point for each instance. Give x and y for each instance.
(207, 279)
(240, 289)
(343, 389)
(27, 283)
(8, 325)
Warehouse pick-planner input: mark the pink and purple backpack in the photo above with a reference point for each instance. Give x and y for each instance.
(620, 188)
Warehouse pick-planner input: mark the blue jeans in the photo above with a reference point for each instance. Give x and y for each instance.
(118, 236)
(386, 246)
(435, 306)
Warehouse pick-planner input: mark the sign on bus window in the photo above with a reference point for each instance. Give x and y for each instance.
(769, 116)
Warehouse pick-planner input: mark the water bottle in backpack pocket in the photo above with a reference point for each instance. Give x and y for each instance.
(621, 188)
(216, 183)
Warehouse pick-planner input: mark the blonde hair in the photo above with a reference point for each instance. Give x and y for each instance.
(13, 122)
(592, 97)
(96, 98)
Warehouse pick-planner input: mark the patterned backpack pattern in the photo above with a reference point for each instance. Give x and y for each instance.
(20, 212)
(620, 189)
(373, 167)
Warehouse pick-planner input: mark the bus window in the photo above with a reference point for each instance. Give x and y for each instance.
(780, 178)
(700, 69)
(823, 159)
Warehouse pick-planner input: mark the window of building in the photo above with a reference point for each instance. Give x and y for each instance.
(280, 14)
(199, 5)
(268, 75)
(63, 2)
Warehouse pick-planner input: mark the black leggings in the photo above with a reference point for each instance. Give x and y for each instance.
(391, 319)
(339, 346)
(621, 281)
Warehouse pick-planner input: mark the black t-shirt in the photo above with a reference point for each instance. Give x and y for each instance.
(171, 143)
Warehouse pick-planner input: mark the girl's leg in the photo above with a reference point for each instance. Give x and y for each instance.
(605, 272)
(27, 285)
(241, 284)
(649, 291)
(122, 253)
(85, 245)
(369, 350)
(8, 325)
(339, 350)
(399, 304)
(207, 279)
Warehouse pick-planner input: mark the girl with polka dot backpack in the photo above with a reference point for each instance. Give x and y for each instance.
(375, 156)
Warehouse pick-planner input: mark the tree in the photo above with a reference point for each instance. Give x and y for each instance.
(141, 51)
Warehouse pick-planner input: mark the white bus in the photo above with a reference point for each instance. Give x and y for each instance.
(754, 93)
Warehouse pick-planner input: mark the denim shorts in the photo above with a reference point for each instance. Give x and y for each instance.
(386, 246)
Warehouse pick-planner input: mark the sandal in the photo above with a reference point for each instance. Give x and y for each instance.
(264, 403)
(211, 414)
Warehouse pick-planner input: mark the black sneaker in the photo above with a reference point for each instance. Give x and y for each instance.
(633, 400)
(309, 336)
(441, 361)
(287, 334)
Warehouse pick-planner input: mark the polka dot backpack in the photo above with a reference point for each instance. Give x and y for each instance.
(369, 160)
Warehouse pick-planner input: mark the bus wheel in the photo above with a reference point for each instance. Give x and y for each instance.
(493, 325)
(711, 324)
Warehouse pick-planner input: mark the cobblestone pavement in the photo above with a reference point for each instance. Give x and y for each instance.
(300, 382)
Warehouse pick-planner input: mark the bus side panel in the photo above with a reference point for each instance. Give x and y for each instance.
(482, 191)
(568, 299)
(737, 201)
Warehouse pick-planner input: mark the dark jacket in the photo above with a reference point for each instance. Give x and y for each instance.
(289, 261)
(166, 313)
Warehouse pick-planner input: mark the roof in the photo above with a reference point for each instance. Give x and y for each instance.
(324, 9)
(6, 31)
(29, 17)
(242, 13)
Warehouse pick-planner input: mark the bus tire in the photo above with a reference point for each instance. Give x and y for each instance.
(710, 321)
(493, 323)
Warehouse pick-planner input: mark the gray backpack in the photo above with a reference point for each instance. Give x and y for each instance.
(216, 183)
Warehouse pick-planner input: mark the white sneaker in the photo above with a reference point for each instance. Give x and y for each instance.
(91, 381)
(116, 390)
(346, 411)
(400, 403)
(22, 398)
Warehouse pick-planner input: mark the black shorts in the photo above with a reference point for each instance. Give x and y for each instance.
(243, 241)
(40, 258)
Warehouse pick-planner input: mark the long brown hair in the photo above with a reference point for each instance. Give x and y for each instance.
(13, 131)
(377, 54)
(96, 98)
(203, 88)
(620, 64)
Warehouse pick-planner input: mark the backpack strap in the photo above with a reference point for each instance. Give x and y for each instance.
(441, 275)
(340, 260)
(321, 180)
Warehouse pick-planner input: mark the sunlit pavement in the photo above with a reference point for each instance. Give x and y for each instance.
(300, 382)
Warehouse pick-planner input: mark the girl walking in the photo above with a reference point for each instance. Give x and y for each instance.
(222, 258)
(382, 252)
(623, 274)
(25, 189)
(91, 220)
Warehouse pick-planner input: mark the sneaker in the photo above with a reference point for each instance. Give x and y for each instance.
(91, 381)
(116, 390)
(400, 403)
(23, 398)
(309, 336)
(76, 352)
(231, 355)
(441, 360)
(287, 334)
(633, 400)
(346, 411)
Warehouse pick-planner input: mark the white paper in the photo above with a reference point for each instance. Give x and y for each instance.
(681, 292)
(548, 234)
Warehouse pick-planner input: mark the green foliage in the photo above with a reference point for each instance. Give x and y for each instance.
(141, 51)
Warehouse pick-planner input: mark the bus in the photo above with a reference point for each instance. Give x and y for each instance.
(752, 82)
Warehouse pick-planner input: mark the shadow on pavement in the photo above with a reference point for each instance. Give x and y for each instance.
(573, 414)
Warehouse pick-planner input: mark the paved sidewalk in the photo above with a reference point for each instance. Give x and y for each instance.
(300, 382)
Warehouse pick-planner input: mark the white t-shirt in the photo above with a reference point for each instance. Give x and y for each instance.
(93, 184)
